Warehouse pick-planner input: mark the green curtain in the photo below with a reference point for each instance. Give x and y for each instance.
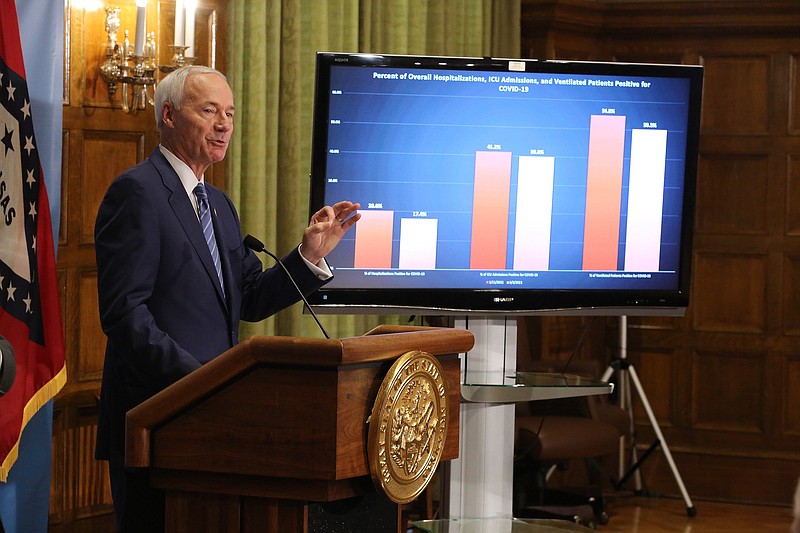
(271, 51)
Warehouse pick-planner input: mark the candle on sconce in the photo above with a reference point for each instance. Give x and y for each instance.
(141, 27)
(179, 18)
(191, 6)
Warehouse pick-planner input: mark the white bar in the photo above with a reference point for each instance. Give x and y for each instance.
(645, 200)
(418, 238)
(534, 213)
(480, 484)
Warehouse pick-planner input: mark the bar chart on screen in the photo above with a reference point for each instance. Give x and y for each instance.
(528, 185)
(516, 211)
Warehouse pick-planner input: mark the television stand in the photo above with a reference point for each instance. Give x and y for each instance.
(479, 483)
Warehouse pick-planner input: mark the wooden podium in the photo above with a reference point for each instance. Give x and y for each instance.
(248, 440)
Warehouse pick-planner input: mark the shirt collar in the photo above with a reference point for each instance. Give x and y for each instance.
(185, 174)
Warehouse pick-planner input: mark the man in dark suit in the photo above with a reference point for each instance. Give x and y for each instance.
(8, 368)
(172, 290)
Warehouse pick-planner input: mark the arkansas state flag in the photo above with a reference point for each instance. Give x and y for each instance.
(30, 312)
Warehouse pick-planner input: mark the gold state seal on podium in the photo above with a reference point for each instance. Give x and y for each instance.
(408, 426)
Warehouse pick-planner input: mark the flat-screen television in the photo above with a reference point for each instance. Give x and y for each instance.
(507, 186)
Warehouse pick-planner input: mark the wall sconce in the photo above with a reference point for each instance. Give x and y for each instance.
(134, 66)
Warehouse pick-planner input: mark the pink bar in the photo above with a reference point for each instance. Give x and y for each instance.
(490, 210)
(603, 192)
(374, 239)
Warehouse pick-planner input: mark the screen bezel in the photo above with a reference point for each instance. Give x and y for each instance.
(507, 301)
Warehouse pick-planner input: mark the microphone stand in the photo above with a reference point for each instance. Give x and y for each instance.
(258, 246)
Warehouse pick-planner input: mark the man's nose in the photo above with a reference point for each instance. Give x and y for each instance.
(223, 123)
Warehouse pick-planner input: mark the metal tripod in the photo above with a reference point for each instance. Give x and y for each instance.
(628, 374)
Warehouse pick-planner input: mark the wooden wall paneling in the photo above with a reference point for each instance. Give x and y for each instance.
(556, 29)
(553, 339)
(734, 381)
(71, 321)
(780, 99)
(61, 275)
(732, 193)
(105, 154)
(793, 194)
(740, 331)
(92, 488)
(729, 292)
(790, 414)
(656, 371)
(736, 94)
(653, 54)
(61, 238)
(529, 340)
(702, 22)
(564, 333)
(791, 295)
(58, 469)
(794, 94)
(91, 340)
(713, 476)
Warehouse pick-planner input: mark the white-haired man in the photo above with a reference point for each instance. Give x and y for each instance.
(174, 277)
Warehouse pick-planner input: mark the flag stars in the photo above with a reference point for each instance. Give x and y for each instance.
(10, 90)
(32, 211)
(26, 109)
(8, 139)
(28, 302)
(11, 290)
(29, 145)
(31, 178)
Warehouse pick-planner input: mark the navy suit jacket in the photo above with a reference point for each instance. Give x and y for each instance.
(161, 306)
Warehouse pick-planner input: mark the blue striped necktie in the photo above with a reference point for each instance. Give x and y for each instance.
(208, 229)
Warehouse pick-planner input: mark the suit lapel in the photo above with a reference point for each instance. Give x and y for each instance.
(185, 214)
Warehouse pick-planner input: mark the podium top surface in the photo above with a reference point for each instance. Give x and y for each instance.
(380, 344)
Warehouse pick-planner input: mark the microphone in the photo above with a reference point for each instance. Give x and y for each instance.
(258, 246)
(8, 367)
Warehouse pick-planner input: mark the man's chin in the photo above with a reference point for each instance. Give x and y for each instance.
(218, 154)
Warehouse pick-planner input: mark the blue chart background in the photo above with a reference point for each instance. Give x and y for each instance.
(409, 145)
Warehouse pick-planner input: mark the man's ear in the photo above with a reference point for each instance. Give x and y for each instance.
(168, 115)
